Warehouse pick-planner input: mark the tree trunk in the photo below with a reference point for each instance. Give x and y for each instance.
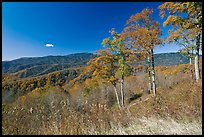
(197, 58)
(149, 74)
(153, 73)
(116, 94)
(122, 82)
(122, 91)
(191, 68)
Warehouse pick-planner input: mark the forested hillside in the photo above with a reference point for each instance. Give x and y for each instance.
(31, 67)
(44, 65)
(170, 59)
(13, 87)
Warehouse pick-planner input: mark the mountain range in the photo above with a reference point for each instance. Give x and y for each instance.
(36, 66)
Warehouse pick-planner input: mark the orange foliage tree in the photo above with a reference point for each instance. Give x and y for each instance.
(143, 33)
(113, 63)
(104, 68)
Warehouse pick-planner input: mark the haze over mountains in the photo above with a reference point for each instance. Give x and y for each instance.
(36, 66)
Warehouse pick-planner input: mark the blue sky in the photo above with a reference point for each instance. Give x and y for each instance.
(71, 27)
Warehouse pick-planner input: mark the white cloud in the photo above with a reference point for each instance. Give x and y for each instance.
(49, 45)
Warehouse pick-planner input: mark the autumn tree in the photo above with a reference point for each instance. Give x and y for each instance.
(185, 18)
(143, 33)
(113, 63)
(118, 47)
(104, 67)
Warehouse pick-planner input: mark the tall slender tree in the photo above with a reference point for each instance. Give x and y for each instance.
(118, 47)
(144, 34)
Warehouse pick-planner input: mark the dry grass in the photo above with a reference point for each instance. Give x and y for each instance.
(158, 126)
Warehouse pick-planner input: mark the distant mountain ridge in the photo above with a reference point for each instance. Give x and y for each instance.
(36, 66)
(170, 59)
(46, 64)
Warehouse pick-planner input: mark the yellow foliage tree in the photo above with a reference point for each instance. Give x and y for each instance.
(143, 33)
(186, 21)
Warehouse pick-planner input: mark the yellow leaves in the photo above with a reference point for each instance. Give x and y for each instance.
(185, 15)
(142, 16)
(103, 67)
(143, 31)
(105, 41)
(167, 6)
(162, 13)
(112, 79)
(102, 52)
(167, 21)
(174, 20)
(183, 23)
